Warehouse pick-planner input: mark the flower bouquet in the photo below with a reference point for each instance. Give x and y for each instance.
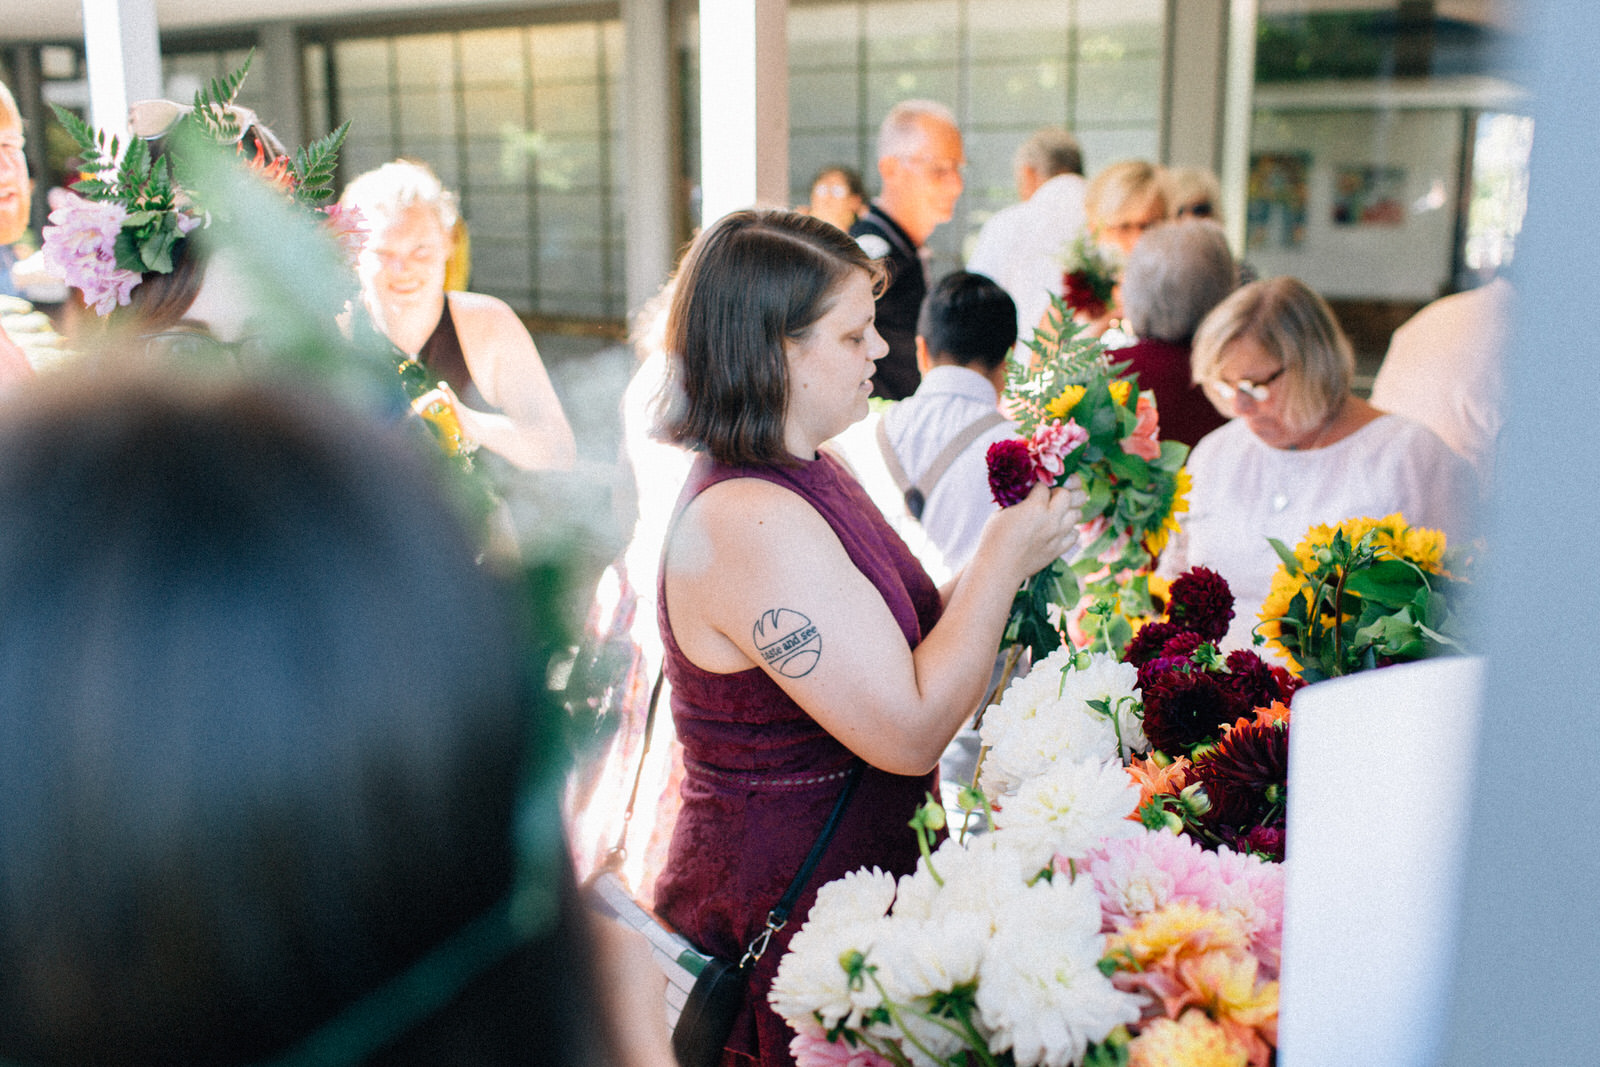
(1088, 279)
(1217, 725)
(1080, 419)
(1205, 736)
(1362, 594)
(1070, 935)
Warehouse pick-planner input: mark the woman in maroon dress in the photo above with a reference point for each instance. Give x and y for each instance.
(801, 635)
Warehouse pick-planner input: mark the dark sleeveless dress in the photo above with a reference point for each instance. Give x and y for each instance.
(441, 353)
(760, 776)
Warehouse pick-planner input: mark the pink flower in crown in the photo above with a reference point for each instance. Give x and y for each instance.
(348, 227)
(1142, 441)
(1051, 443)
(80, 246)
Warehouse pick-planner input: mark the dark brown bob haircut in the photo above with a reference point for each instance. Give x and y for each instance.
(752, 282)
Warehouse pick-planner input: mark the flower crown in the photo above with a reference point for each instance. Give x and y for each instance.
(126, 217)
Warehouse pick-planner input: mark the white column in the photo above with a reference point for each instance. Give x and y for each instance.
(652, 178)
(1238, 109)
(123, 48)
(744, 105)
(1197, 56)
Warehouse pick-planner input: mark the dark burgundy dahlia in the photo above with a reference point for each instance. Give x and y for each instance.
(1011, 475)
(1246, 778)
(1202, 602)
(1149, 641)
(1182, 708)
(1251, 678)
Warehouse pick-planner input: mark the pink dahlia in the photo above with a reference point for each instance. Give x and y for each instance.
(1050, 445)
(80, 246)
(1011, 473)
(1137, 875)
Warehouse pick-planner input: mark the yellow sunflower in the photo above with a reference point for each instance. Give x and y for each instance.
(1062, 406)
(1156, 540)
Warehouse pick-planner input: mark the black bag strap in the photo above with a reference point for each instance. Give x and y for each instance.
(917, 495)
(619, 852)
(778, 917)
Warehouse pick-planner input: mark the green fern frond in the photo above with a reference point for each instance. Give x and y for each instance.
(221, 92)
(315, 166)
(97, 152)
(213, 101)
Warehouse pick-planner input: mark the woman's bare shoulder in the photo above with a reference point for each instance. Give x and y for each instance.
(482, 310)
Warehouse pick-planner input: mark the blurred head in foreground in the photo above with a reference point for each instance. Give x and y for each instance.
(261, 737)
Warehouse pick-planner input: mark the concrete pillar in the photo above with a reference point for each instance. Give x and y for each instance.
(1197, 50)
(123, 48)
(744, 105)
(1238, 111)
(276, 71)
(650, 124)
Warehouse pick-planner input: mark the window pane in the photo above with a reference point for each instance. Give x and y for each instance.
(565, 53)
(823, 36)
(926, 32)
(569, 108)
(1123, 92)
(1020, 95)
(492, 58)
(823, 100)
(1018, 29)
(425, 60)
(362, 64)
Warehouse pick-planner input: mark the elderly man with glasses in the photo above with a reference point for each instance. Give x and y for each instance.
(16, 199)
(919, 161)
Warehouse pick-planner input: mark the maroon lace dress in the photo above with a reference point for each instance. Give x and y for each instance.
(760, 776)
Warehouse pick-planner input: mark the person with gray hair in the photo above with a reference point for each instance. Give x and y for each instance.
(920, 157)
(1022, 247)
(1300, 448)
(1177, 273)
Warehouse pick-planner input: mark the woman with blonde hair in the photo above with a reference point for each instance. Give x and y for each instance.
(481, 354)
(1119, 205)
(1122, 202)
(1300, 449)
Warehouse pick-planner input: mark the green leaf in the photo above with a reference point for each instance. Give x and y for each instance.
(126, 250)
(1286, 554)
(1392, 583)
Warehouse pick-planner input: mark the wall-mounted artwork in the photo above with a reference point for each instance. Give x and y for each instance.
(1275, 217)
(1369, 196)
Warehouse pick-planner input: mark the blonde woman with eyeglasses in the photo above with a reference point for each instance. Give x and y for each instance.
(1300, 448)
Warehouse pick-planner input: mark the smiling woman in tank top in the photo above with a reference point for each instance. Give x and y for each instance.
(472, 343)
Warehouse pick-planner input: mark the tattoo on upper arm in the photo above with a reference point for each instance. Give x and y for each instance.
(788, 642)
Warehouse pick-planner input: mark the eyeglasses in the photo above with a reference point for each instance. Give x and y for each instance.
(938, 169)
(1228, 393)
(1201, 210)
(150, 119)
